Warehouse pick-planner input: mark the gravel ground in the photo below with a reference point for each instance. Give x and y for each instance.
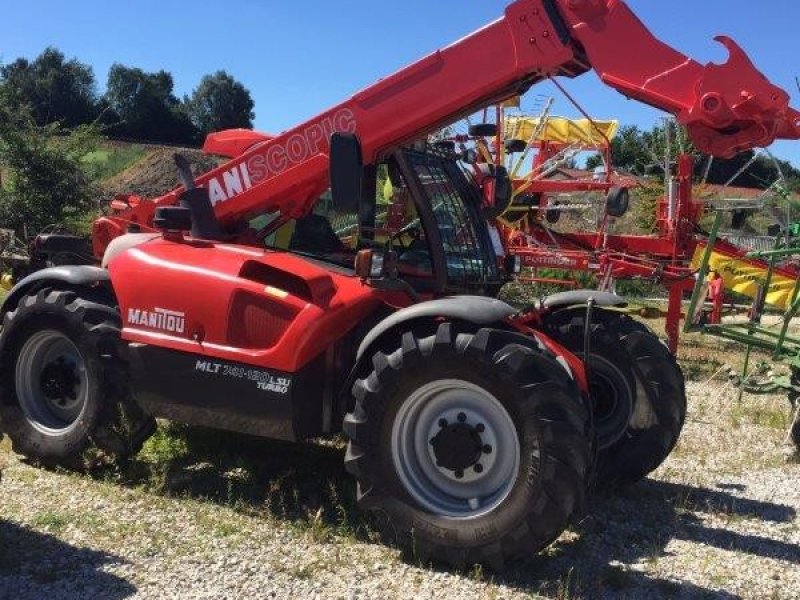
(718, 520)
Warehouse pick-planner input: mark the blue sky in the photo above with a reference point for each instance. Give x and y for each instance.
(298, 58)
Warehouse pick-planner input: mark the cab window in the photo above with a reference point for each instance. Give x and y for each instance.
(335, 237)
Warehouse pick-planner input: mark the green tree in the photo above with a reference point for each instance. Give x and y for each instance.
(629, 151)
(220, 102)
(760, 173)
(146, 107)
(644, 152)
(51, 88)
(43, 168)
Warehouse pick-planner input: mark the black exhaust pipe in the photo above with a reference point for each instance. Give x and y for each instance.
(204, 222)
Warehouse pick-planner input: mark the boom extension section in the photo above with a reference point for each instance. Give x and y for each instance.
(726, 108)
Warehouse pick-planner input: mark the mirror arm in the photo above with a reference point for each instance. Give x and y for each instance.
(394, 284)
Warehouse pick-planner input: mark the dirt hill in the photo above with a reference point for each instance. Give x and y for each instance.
(155, 173)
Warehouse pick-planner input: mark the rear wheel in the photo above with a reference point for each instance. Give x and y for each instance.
(473, 449)
(65, 381)
(637, 390)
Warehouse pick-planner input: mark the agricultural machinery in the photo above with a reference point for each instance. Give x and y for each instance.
(775, 287)
(526, 224)
(231, 301)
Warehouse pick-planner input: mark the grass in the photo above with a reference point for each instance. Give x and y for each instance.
(758, 414)
(304, 485)
(112, 159)
(53, 522)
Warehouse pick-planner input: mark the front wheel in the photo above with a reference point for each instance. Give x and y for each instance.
(64, 380)
(637, 390)
(474, 449)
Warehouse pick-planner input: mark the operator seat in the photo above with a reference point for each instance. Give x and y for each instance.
(314, 234)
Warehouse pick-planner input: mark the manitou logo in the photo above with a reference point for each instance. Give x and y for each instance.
(276, 157)
(159, 318)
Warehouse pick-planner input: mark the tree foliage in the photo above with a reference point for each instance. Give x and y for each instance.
(51, 88)
(220, 102)
(146, 106)
(137, 104)
(644, 152)
(44, 181)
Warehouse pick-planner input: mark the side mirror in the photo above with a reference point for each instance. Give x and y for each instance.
(371, 264)
(346, 172)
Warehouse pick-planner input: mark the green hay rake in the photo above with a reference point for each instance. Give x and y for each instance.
(781, 373)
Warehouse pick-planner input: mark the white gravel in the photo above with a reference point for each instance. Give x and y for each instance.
(718, 520)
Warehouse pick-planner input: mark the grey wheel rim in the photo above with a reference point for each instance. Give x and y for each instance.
(51, 382)
(455, 449)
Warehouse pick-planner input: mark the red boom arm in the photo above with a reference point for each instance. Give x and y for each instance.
(726, 108)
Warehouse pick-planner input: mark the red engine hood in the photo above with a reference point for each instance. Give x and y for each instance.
(266, 308)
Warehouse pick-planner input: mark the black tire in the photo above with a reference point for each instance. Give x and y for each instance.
(515, 146)
(638, 392)
(104, 415)
(617, 201)
(794, 429)
(548, 416)
(553, 216)
(483, 130)
(739, 218)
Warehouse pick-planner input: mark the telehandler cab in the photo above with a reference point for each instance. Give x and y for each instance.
(291, 313)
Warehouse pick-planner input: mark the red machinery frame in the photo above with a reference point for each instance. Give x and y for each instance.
(726, 108)
(664, 257)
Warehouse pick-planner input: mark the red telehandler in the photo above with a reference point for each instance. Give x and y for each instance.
(472, 426)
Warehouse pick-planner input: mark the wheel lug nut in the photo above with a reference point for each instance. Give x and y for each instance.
(462, 417)
(480, 427)
(487, 449)
(459, 474)
(478, 468)
(442, 423)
